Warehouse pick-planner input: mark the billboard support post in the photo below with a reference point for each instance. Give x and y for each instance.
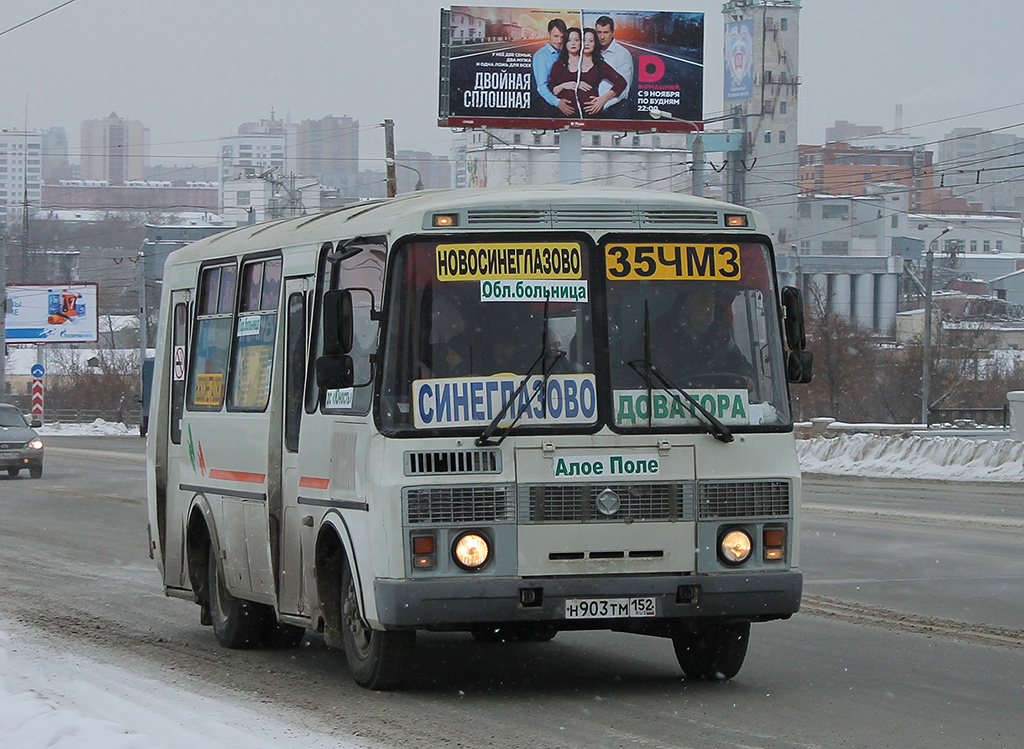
(570, 156)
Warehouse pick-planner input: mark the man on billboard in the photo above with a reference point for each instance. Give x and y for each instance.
(543, 60)
(621, 60)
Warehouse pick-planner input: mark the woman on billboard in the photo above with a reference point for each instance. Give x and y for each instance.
(580, 70)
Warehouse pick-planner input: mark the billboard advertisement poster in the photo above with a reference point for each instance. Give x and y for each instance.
(57, 313)
(739, 60)
(587, 69)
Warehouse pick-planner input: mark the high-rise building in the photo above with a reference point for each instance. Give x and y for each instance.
(114, 149)
(762, 83)
(984, 167)
(257, 148)
(55, 155)
(328, 148)
(20, 177)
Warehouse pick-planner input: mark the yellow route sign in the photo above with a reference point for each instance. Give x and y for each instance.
(666, 261)
(489, 261)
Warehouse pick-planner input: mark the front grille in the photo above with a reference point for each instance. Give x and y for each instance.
(577, 503)
(451, 462)
(11, 445)
(459, 504)
(742, 499)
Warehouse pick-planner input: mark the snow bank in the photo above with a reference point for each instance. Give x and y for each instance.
(909, 457)
(97, 428)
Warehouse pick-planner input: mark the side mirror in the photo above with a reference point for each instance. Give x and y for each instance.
(793, 318)
(36, 422)
(334, 372)
(800, 367)
(337, 322)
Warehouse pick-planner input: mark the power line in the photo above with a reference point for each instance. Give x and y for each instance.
(36, 18)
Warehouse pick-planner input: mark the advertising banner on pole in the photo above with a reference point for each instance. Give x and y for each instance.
(739, 60)
(58, 313)
(586, 69)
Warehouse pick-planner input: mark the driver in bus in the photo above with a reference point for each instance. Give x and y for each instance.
(700, 326)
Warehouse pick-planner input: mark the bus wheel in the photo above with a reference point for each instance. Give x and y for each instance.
(712, 652)
(377, 659)
(237, 623)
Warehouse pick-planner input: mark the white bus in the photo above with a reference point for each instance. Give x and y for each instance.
(507, 412)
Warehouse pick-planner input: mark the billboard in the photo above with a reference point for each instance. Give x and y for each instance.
(58, 313)
(739, 60)
(586, 69)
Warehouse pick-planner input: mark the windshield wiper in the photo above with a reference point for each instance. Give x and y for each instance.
(715, 428)
(484, 440)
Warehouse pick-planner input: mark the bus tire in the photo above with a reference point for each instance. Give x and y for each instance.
(713, 652)
(237, 623)
(377, 659)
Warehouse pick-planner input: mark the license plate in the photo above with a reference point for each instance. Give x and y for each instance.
(611, 608)
(9, 455)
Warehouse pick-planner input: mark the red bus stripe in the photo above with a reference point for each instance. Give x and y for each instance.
(312, 483)
(248, 478)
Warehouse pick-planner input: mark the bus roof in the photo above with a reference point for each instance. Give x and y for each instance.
(530, 208)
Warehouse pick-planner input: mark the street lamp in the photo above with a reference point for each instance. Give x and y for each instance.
(926, 368)
(698, 148)
(419, 177)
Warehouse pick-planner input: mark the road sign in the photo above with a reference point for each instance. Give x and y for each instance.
(37, 396)
(38, 370)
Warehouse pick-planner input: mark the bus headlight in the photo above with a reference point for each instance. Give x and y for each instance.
(735, 546)
(471, 551)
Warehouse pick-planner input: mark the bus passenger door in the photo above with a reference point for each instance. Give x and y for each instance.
(297, 539)
(176, 500)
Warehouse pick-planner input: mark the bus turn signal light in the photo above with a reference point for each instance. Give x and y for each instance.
(774, 543)
(423, 552)
(445, 219)
(733, 220)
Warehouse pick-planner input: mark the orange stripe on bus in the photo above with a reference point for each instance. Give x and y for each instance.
(311, 483)
(248, 478)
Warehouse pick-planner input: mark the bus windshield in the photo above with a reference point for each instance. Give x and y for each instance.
(693, 337)
(477, 323)
(697, 318)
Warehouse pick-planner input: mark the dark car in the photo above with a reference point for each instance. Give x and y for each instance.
(20, 446)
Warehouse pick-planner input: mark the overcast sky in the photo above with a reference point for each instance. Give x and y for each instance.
(193, 70)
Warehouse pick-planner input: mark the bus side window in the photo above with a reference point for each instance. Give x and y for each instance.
(255, 335)
(179, 345)
(212, 340)
(295, 345)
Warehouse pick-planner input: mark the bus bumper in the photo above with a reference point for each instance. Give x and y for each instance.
(451, 604)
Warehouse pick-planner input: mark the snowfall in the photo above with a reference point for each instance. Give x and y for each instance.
(55, 700)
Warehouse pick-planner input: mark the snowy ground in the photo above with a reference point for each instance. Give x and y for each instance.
(56, 700)
(51, 700)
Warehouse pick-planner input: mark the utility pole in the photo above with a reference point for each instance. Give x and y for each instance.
(698, 165)
(389, 157)
(143, 318)
(926, 367)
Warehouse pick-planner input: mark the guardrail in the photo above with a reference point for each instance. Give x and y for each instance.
(988, 416)
(87, 416)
